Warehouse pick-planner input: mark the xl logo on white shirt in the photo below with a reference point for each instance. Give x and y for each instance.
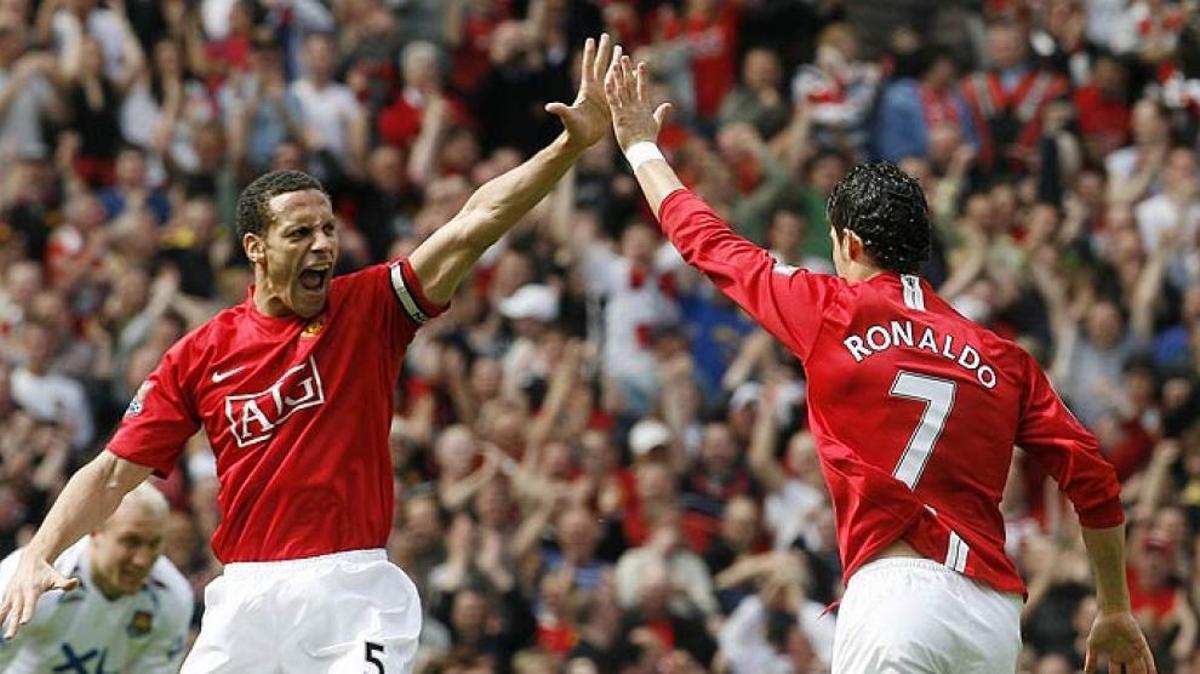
(253, 417)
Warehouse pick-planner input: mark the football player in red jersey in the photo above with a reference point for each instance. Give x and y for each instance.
(294, 389)
(915, 410)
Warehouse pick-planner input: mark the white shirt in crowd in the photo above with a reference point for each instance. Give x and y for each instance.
(53, 397)
(632, 307)
(329, 111)
(82, 631)
(743, 638)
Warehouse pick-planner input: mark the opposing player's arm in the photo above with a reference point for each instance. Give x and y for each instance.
(89, 498)
(443, 261)
(739, 268)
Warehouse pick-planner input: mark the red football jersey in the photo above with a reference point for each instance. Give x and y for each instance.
(297, 412)
(914, 408)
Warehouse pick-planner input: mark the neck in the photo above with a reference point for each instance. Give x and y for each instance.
(859, 272)
(267, 302)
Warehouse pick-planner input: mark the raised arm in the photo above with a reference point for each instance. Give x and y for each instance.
(787, 301)
(443, 260)
(89, 498)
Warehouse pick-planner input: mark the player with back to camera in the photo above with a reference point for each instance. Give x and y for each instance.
(128, 609)
(915, 410)
(294, 388)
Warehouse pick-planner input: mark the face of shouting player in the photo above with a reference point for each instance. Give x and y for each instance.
(294, 260)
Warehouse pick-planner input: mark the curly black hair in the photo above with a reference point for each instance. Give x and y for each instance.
(886, 208)
(253, 211)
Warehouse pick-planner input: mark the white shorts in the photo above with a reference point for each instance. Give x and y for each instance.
(916, 616)
(346, 613)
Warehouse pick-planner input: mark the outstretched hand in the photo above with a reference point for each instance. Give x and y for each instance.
(627, 90)
(587, 119)
(1117, 636)
(33, 577)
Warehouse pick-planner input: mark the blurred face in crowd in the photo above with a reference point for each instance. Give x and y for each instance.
(1180, 170)
(941, 74)
(294, 258)
(385, 168)
(1109, 77)
(825, 173)
(761, 69)
(1148, 123)
(201, 218)
(319, 58)
(125, 548)
(1104, 327)
(422, 526)
(787, 231)
(455, 452)
(288, 157)
(1006, 45)
(718, 449)
(167, 59)
(739, 523)
(36, 339)
(23, 281)
(131, 169)
(493, 504)
(638, 244)
(467, 614)
(577, 535)
(420, 66)
(12, 40)
(91, 58)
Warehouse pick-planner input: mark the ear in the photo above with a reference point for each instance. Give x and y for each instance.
(855, 248)
(254, 247)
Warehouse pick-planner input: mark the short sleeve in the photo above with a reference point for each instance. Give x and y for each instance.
(159, 420)
(392, 293)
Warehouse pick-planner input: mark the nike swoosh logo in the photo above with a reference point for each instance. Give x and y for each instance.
(219, 377)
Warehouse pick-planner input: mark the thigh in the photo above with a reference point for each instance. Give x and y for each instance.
(989, 631)
(235, 633)
(354, 618)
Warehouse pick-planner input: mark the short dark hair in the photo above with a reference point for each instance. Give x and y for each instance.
(253, 210)
(886, 208)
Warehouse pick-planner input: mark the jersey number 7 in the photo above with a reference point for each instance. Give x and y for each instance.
(938, 396)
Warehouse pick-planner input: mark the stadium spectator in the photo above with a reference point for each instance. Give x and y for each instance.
(1086, 255)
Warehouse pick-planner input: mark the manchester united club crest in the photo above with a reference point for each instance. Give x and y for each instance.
(140, 624)
(314, 327)
(135, 405)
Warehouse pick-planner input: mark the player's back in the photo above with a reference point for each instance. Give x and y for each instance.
(915, 408)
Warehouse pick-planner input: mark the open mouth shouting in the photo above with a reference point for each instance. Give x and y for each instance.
(315, 278)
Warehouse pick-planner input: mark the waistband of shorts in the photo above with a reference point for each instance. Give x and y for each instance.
(925, 564)
(888, 563)
(280, 566)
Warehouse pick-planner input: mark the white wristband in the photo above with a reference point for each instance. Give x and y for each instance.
(642, 152)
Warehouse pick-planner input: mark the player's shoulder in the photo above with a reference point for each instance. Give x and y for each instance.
(173, 587)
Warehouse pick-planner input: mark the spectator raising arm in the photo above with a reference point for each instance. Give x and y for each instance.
(443, 260)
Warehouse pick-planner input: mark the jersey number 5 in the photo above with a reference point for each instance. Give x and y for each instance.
(372, 649)
(938, 396)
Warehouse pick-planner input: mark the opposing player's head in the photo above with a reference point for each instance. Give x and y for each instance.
(124, 549)
(878, 221)
(285, 221)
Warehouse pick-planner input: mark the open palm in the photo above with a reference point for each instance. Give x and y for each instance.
(587, 118)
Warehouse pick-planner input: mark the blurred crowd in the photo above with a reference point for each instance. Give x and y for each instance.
(601, 464)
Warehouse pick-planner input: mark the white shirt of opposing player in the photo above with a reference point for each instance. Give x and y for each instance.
(83, 632)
